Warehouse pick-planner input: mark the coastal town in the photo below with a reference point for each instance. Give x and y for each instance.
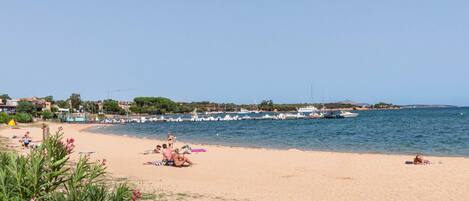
(153, 109)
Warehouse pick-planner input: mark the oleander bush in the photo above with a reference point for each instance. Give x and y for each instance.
(46, 174)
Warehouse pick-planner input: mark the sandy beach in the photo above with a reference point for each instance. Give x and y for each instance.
(234, 173)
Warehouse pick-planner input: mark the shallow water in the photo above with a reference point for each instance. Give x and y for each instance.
(442, 131)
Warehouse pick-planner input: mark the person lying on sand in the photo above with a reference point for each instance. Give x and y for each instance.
(157, 150)
(180, 160)
(418, 160)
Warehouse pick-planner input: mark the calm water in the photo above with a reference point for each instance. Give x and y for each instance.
(408, 131)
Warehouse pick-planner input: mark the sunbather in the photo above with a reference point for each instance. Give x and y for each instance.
(418, 160)
(157, 150)
(180, 160)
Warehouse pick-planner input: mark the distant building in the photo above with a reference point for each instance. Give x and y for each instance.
(9, 106)
(125, 105)
(39, 104)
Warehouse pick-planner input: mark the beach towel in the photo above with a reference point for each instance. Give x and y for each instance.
(159, 163)
(198, 150)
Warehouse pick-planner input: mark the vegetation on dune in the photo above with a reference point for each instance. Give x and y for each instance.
(45, 174)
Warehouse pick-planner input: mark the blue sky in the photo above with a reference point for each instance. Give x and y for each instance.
(238, 51)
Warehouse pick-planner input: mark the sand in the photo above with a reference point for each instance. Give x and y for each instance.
(234, 173)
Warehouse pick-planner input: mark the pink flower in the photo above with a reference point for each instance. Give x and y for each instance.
(71, 140)
(136, 194)
(69, 146)
(103, 162)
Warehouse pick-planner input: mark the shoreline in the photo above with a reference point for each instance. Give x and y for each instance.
(239, 173)
(92, 126)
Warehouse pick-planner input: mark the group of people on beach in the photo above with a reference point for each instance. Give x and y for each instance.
(172, 156)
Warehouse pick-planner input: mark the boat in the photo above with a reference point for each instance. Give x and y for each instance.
(347, 114)
(315, 115)
(245, 111)
(332, 115)
(294, 116)
(307, 109)
(339, 114)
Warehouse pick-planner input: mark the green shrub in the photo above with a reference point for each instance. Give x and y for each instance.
(23, 117)
(46, 114)
(4, 118)
(45, 174)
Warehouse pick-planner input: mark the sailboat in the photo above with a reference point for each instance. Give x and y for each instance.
(310, 108)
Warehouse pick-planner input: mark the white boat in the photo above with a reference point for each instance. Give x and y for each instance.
(308, 109)
(347, 114)
(294, 116)
(245, 111)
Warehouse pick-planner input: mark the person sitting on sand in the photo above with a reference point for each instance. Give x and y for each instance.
(171, 140)
(180, 160)
(418, 160)
(167, 155)
(25, 140)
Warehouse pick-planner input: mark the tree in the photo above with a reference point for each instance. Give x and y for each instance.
(62, 104)
(383, 105)
(54, 109)
(5, 97)
(25, 107)
(75, 101)
(154, 105)
(49, 99)
(267, 105)
(91, 107)
(112, 107)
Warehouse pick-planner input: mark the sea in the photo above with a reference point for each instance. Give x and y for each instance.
(430, 131)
